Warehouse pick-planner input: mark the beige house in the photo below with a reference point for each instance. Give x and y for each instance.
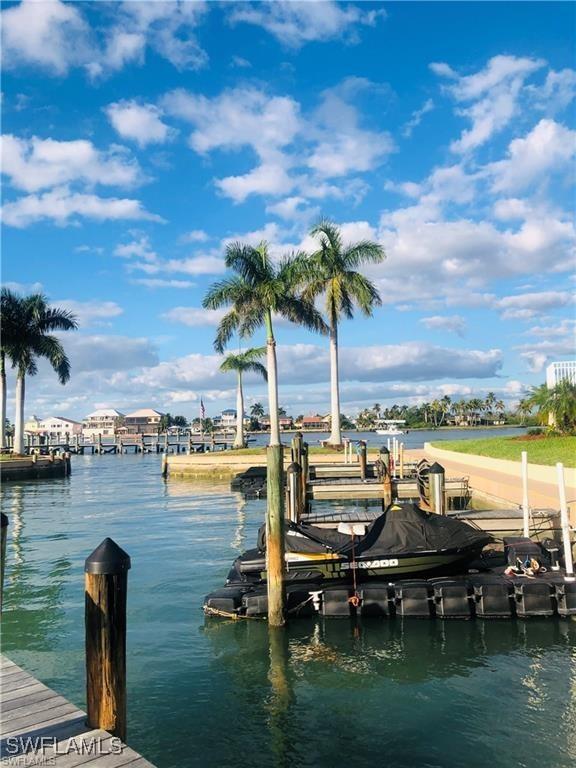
(145, 421)
(55, 426)
(104, 421)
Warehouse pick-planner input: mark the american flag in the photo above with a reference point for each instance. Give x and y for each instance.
(202, 410)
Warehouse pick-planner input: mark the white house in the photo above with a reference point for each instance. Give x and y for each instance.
(561, 371)
(56, 426)
(144, 421)
(103, 421)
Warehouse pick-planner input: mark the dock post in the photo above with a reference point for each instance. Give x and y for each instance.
(363, 459)
(99, 443)
(437, 480)
(387, 477)
(294, 487)
(565, 523)
(275, 534)
(66, 458)
(401, 460)
(4, 530)
(296, 448)
(106, 585)
(164, 465)
(304, 476)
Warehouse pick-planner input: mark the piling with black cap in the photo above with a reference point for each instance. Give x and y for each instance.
(294, 491)
(296, 448)
(4, 529)
(106, 585)
(304, 475)
(437, 489)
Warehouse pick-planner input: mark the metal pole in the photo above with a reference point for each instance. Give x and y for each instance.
(106, 584)
(401, 461)
(568, 564)
(525, 507)
(437, 501)
(294, 491)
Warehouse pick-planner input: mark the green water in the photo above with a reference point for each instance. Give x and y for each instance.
(212, 694)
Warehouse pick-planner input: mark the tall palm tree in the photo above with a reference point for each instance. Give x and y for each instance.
(32, 340)
(240, 363)
(334, 275)
(9, 306)
(257, 410)
(523, 409)
(260, 289)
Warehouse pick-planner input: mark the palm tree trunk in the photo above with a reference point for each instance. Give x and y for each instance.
(272, 382)
(19, 421)
(3, 398)
(335, 433)
(239, 442)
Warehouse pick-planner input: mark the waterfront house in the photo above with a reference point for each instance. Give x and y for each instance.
(145, 421)
(104, 421)
(286, 422)
(56, 427)
(316, 422)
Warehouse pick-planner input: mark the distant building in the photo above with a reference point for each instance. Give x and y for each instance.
(145, 421)
(562, 371)
(228, 418)
(315, 422)
(104, 421)
(285, 422)
(56, 426)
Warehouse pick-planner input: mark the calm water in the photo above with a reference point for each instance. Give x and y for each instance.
(214, 694)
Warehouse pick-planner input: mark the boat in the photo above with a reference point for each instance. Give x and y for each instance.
(403, 542)
(391, 428)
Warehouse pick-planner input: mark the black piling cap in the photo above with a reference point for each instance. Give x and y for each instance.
(294, 467)
(107, 559)
(4, 520)
(436, 469)
(299, 435)
(384, 450)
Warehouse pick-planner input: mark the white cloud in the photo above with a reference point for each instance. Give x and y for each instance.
(157, 282)
(51, 35)
(294, 208)
(416, 118)
(196, 265)
(549, 147)
(139, 248)
(529, 305)
(61, 205)
(34, 164)
(194, 316)
(55, 36)
(23, 287)
(266, 179)
(557, 91)
(454, 323)
(96, 353)
(493, 94)
(140, 122)
(92, 312)
(194, 236)
(297, 23)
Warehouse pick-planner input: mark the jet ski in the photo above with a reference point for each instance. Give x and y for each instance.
(404, 542)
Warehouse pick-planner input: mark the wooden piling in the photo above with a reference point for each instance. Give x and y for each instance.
(106, 584)
(164, 465)
(437, 489)
(4, 536)
(294, 491)
(386, 477)
(275, 534)
(296, 448)
(401, 460)
(304, 476)
(363, 459)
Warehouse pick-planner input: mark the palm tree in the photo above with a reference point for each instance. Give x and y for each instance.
(257, 410)
(241, 363)
(32, 340)
(523, 409)
(9, 305)
(334, 275)
(556, 406)
(259, 290)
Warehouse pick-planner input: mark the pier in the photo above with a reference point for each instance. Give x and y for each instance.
(40, 727)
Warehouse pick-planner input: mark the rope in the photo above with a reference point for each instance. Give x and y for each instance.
(210, 611)
(355, 598)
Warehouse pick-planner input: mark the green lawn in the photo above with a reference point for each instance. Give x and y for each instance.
(541, 450)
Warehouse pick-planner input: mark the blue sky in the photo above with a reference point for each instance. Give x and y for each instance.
(140, 137)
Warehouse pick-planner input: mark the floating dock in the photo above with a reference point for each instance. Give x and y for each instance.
(40, 727)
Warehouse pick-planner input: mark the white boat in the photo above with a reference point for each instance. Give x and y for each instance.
(391, 428)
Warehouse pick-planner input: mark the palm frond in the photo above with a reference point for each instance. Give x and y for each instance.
(363, 291)
(329, 235)
(252, 264)
(363, 252)
(225, 292)
(302, 312)
(226, 328)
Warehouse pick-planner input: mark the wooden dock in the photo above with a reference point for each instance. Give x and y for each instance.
(40, 727)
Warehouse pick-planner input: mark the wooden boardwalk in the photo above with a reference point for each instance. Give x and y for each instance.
(40, 727)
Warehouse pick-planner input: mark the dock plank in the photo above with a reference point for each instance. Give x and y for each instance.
(42, 725)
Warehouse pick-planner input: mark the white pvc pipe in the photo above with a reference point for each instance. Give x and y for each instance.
(565, 523)
(525, 507)
(388, 443)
